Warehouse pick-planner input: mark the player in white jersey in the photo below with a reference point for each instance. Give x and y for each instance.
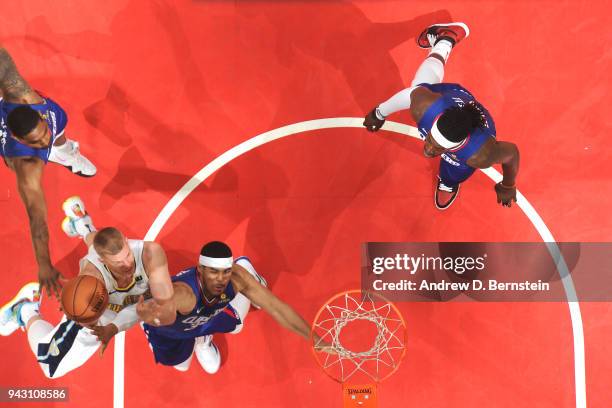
(129, 269)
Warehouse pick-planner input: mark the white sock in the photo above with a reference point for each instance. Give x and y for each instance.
(442, 48)
(37, 331)
(184, 366)
(28, 311)
(242, 305)
(63, 149)
(431, 71)
(397, 102)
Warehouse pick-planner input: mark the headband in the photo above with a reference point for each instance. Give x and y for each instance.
(441, 140)
(217, 263)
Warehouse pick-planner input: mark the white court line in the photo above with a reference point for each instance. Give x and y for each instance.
(329, 123)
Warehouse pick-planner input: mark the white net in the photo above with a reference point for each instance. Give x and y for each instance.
(366, 333)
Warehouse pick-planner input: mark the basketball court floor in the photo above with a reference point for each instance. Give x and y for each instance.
(158, 91)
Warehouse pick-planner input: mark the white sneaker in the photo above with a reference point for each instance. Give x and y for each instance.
(74, 207)
(69, 228)
(77, 221)
(10, 319)
(74, 160)
(207, 354)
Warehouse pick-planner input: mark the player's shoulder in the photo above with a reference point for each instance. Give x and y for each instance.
(151, 249)
(90, 269)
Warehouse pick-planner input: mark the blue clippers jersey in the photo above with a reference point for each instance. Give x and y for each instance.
(56, 120)
(203, 319)
(456, 95)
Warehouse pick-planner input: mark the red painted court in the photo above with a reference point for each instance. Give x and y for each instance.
(156, 90)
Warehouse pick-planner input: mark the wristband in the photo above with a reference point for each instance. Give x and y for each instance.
(501, 183)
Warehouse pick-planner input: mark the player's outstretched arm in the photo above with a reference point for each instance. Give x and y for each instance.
(156, 265)
(506, 154)
(29, 176)
(257, 293)
(14, 87)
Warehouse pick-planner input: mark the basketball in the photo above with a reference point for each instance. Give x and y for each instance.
(84, 299)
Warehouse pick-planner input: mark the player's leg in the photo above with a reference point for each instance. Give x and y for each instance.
(440, 39)
(66, 347)
(450, 178)
(58, 349)
(176, 353)
(66, 152)
(78, 223)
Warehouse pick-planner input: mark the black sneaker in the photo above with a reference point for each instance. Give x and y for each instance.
(454, 32)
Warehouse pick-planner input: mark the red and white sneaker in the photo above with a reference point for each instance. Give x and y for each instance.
(454, 32)
(445, 195)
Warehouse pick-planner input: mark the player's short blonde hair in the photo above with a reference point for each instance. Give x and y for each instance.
(108, 241)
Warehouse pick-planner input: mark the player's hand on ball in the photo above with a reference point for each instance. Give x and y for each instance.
(505, 195)
(371, 122)
(149, 312)
(104, 334)
(49, 279)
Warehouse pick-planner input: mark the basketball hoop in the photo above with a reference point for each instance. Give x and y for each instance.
(367, 334)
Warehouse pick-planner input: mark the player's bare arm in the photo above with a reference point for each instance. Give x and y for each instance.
(258, 294)
(29, 177)
(14, 87)
(184, 298)
(506, 154)
(162, 308)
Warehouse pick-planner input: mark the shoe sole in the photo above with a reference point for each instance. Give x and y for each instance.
(67, 210)
(459, 24)
(68, 232)
(449, 203)
(78, 173)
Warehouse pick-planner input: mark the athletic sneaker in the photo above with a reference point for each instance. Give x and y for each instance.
(77, 221)
(207, 354)
(73, 160)
(445, 195)
(454, 32)
(10, 317)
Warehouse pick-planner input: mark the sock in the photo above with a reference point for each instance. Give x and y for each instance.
(64, 149)
(37, 331)
(28, 310)
(442, 48)
(242, 305)
(397, 102)
(431, 71)
(184, 366)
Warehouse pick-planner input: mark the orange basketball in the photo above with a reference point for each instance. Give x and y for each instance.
(84, 299)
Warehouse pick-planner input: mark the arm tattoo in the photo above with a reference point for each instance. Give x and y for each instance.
(12, 84)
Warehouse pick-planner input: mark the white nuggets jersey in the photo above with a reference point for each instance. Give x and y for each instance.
(118, 298)
(69, 345)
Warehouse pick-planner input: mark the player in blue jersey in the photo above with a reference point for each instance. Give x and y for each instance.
(450, 120)
(32, 132)
(213, 297)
